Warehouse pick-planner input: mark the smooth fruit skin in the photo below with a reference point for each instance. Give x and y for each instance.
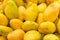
(4, 30)
(16, 23)
(40, 18)
(33, 1)
(31, 12)
(47, 27)
(52, 12)
(32, 35)
(21, 10)
(16, 35)
(11, 10)
(50, 1)
(50, 37)
(58, 26)
(19, 2)
(2, 38)
(3, 20)
(41, 1)
(42, 7)
(29, 25)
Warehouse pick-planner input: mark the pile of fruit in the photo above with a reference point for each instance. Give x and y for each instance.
(29, 19)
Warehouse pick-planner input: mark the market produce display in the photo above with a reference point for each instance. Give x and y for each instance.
(29, 19)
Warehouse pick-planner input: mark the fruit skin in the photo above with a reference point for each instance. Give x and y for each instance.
(31, 12)
(42, 7)
(52, 11)
(19, 2)
(4, 30)
(47, 27)
(3, 20)
(58, 26)
(21, 12)
(41, 1)
(16, 35)
(50, 1)
(50, 37)
(11, 10)
(40, 18)
(32, 35)
(16, 23)
(33, 1)
(29, 25)
(2, 38)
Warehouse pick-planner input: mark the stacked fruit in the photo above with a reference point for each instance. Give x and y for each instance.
(29, 19)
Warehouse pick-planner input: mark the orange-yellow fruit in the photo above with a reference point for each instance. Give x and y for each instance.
(3, 19)
(42, 7)
(2, 38)
(21, 12)
(29, 25)
(40, 18)
(19, 2)
(31, 12)
(4, 30)
(58, 26)
(16, 35)
(41, 1)
(47, 27)
(11, 10)
(33, 1)
(32, 35)
(52, 11)
(16, 23)
(50, 1)
(50, 37)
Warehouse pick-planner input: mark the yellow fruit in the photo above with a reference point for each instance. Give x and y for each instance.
(47, 27)
(2, 38)
(32, 35)
(21, 12)
(29, 25)
(4, 30)
(3, 19)
(31, 12)
(58, 26)
(50, 1)
(16, 35)
(50, 37)
(11, 10)
(28, 4)
(19, 2)
(52, 11)
(42, 7)
(41, 1)
(57, 34)
(16, 23)
(33, 1)
(40, 18)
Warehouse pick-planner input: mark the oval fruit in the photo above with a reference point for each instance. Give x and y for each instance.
(50, 37)
(47, 27)
(32, 35)
(16, 35)
(4, 30)
(3, 20)
(16, 23)
(11, 10)
(29, 25)
(52, 12)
